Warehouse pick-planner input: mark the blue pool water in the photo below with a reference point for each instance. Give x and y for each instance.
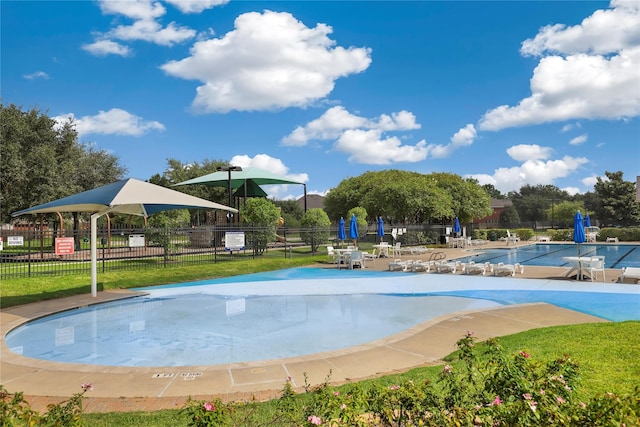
(288, 313)
(550, 255)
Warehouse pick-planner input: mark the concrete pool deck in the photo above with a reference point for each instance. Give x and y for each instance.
(147, 389)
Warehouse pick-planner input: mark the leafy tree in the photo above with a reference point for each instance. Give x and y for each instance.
(265, 214)
(398, 196)
(509, 216)
(494, 193)
(618, 205)
(315, 223)
(290, 211)
(469, 199)
(565, 211)
(43, 161)
(533, 202)
(174, 218)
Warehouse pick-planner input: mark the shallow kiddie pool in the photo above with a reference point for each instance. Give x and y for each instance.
(287, 313)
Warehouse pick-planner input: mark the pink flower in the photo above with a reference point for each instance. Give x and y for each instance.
(524, 354)
(496, 402)
(533, 405)
(527, 396)
(315, 420)
(447, 369)
(394, 387)
(560, 399)
(86, 386)
(209, 407)
(542, 392)
(336, 393)
(343, 406)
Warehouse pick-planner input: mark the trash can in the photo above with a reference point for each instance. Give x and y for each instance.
(443, 239)
(493, 237)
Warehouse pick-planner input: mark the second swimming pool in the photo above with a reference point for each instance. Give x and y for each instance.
(550, 255)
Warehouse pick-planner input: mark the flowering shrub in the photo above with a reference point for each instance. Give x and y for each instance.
(15, 411)
(207, 413)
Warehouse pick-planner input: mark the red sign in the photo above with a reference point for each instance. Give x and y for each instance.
(64, 245)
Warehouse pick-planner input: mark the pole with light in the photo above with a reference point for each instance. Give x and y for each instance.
(229, 169)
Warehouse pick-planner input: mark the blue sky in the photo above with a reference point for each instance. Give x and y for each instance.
(510, 93)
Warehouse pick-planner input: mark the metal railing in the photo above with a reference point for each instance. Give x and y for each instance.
(33, 252)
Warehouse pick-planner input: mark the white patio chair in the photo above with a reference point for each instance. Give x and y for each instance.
(356, 259)
(332, 255)
(596, 264)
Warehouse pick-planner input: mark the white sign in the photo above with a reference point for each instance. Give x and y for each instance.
(15, 241)
(234, 240)
(136, 240)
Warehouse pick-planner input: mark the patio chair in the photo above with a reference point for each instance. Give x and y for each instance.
(332, 255)
(356, 259)
(596, 264)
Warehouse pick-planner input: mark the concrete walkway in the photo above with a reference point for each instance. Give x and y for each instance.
(147, 389)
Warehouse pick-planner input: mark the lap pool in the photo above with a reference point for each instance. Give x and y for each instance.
(287, 313)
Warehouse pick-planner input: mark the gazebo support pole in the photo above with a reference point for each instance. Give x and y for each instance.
(94, 255)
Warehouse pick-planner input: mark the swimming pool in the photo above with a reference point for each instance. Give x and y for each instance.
(550, 255)
(287, 313)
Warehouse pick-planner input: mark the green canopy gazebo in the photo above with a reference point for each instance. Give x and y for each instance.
(246, 181)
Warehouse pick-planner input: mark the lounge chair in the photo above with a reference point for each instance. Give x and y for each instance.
(512, 237)
(502, 269)
(447, 267)
(399, 265)
(424, 266)
(631, 274)
(472, 268)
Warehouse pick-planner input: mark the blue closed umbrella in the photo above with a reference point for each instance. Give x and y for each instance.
(456, 226)
(380, 228)
(353, 228)
(587, 221)
(342, 235)
(578, 230)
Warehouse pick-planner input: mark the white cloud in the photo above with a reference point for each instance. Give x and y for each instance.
(337, 119)
(146, 26)
(579, 140)
(113, 122)
(151, 31)
(370, 147)
(590, 71)
(464, 137)
(269, 61)
(106, 47)
(535, 169)
(273, 165)
(590, 181)
(570, 126)
(36, 75)
(571, 190)
(195, 6)
(524, 152)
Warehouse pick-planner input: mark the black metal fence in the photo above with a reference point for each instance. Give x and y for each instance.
(33, 252)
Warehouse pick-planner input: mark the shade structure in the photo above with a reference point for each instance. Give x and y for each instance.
(129, 196)
(380, 231)
(250, 189)
(587, 221)
(342, 234)
(456, 226)
(578, 230)
(353, 228)
(256, 175)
